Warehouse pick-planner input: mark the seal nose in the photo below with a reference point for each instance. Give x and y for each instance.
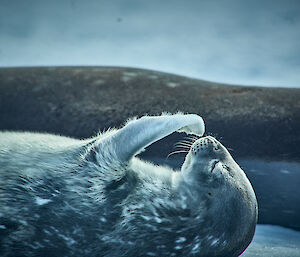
(203, 143)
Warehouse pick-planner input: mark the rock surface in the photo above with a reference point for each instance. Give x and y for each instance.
(80, 101)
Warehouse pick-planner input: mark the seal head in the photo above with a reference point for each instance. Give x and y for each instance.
(212, 176)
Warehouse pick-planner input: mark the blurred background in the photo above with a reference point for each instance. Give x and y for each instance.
(237, 42)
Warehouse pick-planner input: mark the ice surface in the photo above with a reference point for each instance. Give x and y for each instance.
(274, 241)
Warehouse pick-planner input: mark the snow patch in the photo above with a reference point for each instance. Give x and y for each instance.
(274, 241)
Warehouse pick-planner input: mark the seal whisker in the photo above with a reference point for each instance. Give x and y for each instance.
(184, 141)
(181, 151)
(187, 142)
(189, 138)
(182, 144)
(192, 138)
(183, 147)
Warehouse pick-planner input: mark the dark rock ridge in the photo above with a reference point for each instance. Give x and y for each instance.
(79, 101)
(256, 123)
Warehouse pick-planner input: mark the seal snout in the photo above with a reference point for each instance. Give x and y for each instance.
(205, 143)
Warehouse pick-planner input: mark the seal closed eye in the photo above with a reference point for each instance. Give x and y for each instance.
(214, 165)
(95, 197)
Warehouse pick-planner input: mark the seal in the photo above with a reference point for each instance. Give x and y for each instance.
(67, 197)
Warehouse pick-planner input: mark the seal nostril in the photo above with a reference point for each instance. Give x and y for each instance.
(217, 147)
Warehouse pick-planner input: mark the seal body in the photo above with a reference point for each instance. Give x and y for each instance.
(66, 197)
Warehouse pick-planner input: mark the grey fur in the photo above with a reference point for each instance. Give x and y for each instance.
(66, 197)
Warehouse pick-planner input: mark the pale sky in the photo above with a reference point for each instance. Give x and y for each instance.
(236, 41)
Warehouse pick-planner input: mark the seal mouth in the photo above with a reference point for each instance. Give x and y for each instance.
(214, 165)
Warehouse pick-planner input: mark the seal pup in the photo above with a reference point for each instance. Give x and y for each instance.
(65, 197)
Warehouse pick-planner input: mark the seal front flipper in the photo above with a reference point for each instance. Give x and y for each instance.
(136, 135)
(108, 155)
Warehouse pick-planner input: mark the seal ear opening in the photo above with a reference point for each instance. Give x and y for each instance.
(137, 134)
